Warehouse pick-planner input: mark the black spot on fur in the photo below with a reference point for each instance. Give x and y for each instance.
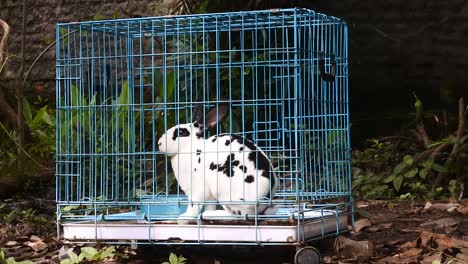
(196, 124)
(243, 168)
(262, 163)
(241, 148)
(198, 152)
(227, 142)
(242, 199)
(249, 179)
(243, 141)
(239, 212)
(213, 166)
(195, 169)
(180, 132)
(199, 160)
(228, 166)
(214, 138)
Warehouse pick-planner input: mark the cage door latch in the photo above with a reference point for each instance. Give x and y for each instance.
(329, 77)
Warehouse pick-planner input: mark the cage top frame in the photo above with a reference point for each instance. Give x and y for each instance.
(128, 25)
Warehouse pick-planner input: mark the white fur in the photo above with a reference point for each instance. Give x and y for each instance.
(200, 183)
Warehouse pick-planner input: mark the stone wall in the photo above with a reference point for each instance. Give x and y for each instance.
(41, 18)
(396, 48)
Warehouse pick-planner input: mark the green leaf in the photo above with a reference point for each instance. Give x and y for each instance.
(73, 257)
(38, 117)
(2, 255)
(411, 173)
(408, 160)
(93, 100)
(68, 208)
(173, 258)
(26, 110)
(399, 168)
(397, 183)
(428, 163)
(168, 92)
(25, 262)
(439, 168)
(390, 178)
(436, 262)
(124, 94)
(418, 107)
(452, 186)
(108, 252)
(76, 98)
(89, 253)
(46, 119)
(423, 173)
(435, 144)
(67, 261)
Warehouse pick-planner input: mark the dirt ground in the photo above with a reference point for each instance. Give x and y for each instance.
(385, 232)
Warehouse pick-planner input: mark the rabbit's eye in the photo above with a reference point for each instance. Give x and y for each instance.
(182, 132)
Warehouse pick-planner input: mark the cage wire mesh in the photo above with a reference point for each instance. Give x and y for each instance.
(121, 84)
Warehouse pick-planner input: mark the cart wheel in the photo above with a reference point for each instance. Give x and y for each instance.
(309, 255)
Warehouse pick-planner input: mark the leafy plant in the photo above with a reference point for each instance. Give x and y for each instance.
(41, 142)
(89, 254)
(11, 260)
(174, 259)
(413, 165)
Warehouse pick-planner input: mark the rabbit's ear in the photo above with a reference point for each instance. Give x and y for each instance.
(198, 113)
(216, 115)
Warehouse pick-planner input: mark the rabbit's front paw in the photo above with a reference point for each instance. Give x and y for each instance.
(186, 218)
(216, 214)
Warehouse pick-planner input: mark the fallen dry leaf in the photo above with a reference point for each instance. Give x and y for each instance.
(393, 242)
(409, 244)
(448, 225)
(362, 204)
(387, 225)
(346, 247)
(431, 258)
(427, 206)
(11, 243)
(37, 246)
(459, 243)
(34, 238)
(360, 224)
(386, 260)
(462, 257)
(445, 206)
(411, 253)
(397, 260)
(438, 241)
(374, 229)
(463, 210)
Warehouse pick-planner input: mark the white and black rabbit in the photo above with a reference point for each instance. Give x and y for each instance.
(224, 167)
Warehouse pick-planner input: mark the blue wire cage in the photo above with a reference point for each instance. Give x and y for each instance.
(121, 84)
